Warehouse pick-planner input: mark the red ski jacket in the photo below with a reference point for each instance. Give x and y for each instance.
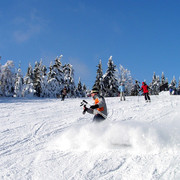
(145, 88)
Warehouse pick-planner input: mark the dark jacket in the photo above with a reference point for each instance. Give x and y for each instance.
(64, 92)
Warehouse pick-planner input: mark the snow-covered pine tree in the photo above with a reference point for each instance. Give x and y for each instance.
(53, 88)
(58, 69)
(37, 72)
(163, 83)
(44, 87)
(69, 80)
(163, 80)
(1, 93)
(110, 80)
(18, 84)
(28, 88)
(44, 81)
(79, 89)
(126, 78)
(151, 85)
(8, 79)
(178, 88)
(52, 82)
(56, 78)
(51, 73)
(172, 86)
(158, 85)
(84, 90)
(99, 79)
(155, 85)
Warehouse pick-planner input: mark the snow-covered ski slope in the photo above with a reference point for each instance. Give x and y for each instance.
(43, 139)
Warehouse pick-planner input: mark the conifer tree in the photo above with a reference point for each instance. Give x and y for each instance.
(58, 70)
(56, 78)
(163, 80)
(99, 78)
(51, 73)
(39, 74)
(110, 80)
(178, 88)
(79, 89)
(37, 78)
(69, 79)
(155, 85)
(53, 88)
(1, 93)
(18, 84)
(28, 88)
(44, 81)
(172, 85)
(158, 85)
(163, 83)
(44, 87)
(8, 79)
(84, 90)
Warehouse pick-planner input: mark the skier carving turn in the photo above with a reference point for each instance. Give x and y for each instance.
(99, 108)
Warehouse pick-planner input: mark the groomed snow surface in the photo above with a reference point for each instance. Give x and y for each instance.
(50, 139)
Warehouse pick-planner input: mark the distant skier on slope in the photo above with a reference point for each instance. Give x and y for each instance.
(145, 88)
(122, 91)
(136, 88)
(63, 93)
(99, 108)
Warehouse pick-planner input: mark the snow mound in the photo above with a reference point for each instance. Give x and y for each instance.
(164, 93)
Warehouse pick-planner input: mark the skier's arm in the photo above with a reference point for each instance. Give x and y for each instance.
(90, 111)
(94, 106)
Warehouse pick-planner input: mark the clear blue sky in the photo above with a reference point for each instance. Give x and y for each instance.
(141, 35)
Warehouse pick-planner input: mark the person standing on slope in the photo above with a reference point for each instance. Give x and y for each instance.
(99, 108)
(145, 88)
(122, 91)
(136, 88)
(63, 93)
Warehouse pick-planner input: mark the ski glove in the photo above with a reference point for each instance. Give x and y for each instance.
(85, 109)
(94, 106)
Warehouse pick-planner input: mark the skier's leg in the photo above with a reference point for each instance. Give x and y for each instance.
(124, 96)
(98, 118)
(63, 96)
(145, 96)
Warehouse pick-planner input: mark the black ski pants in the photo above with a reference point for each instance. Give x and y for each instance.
(98, 118)
(146, 96)
(63, 96)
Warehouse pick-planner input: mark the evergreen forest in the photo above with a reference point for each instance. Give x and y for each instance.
(48, 82)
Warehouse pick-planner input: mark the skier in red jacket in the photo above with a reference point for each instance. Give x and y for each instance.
(145, 88)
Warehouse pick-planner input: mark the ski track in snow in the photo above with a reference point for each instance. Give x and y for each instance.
(51, 139)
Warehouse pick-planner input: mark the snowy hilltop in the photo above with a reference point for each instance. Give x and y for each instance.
(45, 139)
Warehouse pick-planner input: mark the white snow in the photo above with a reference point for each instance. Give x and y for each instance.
(42, 139)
